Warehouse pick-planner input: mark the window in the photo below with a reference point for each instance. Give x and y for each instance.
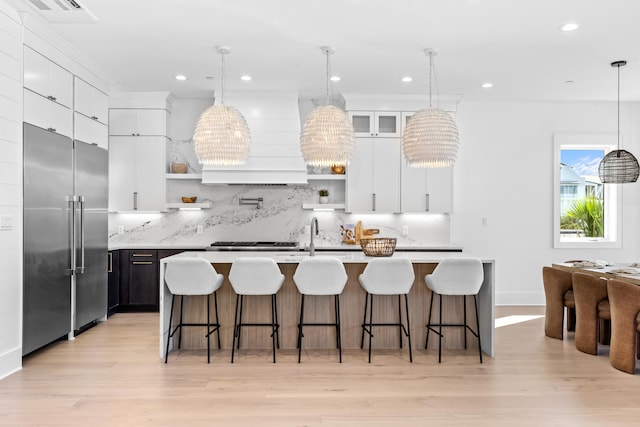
(587, 213)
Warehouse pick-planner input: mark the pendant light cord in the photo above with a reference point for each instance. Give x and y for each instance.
(327, 76)
(430, 71)
(222, 80)
(618, 107)
(433, 76)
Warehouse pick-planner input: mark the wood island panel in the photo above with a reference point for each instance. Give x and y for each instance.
(320, 309)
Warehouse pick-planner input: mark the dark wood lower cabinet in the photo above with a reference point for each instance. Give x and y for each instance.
(138, 278)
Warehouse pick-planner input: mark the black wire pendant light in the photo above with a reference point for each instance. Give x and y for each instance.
(618, 166)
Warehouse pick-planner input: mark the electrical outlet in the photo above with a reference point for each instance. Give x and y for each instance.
(485, 222)
(121, 229)
(405, 230)
(6, 222)
(200, 229)
(307, 229)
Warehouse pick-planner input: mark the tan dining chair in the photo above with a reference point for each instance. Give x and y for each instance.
(624, 298)
(558, 291)
(593, 316)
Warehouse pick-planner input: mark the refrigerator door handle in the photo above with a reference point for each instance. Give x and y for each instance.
(80, 268)
(72, 234)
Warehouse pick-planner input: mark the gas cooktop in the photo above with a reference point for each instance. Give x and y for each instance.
(253, 246)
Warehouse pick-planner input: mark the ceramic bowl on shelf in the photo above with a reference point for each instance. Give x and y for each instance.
(337, 169)
(189, 199)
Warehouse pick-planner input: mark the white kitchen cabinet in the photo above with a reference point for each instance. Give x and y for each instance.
(376, 123)
(426, 189)
(47, 78)
(138, 121)
(406, 115)
(47, 114)
(90, 102)
(373, 176)
(90, 131)
(137, 166)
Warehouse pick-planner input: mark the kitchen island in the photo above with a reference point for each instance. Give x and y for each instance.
(351, 304)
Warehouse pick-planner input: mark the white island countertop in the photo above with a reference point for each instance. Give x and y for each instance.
(294, 257)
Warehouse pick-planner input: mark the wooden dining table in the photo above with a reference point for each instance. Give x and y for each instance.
(606, 272)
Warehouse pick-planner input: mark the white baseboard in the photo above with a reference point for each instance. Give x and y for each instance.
(520, 298)
(10, 362)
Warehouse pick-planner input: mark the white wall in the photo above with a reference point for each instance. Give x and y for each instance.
(10, 190)
(16, 30)
(505, 174)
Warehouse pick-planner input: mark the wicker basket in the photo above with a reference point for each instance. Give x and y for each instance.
(381, 246)
(179, 168)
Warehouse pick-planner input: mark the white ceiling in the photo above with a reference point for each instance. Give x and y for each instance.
(515, 44)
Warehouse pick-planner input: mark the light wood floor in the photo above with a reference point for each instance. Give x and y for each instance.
(111, 375)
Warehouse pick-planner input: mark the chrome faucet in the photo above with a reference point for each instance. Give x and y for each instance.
(312, 246)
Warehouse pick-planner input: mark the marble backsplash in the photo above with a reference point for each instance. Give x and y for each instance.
(281, 218)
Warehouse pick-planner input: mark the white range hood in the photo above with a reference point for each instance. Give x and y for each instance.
(275, 157)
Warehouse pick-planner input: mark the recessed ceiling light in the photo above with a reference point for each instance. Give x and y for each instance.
(487, 85)
(568, 81)
(569, 27)
(245, 78)
(181, 77)
(335, 78)
(407, 79)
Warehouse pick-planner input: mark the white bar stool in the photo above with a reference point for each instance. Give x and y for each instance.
(255, 276)
(387, 276)
(192, 276)
(455, 276)
(320, 276)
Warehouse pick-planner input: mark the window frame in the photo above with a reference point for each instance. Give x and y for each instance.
(612, 194)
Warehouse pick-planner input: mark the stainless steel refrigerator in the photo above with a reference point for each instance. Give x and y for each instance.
(65, 236)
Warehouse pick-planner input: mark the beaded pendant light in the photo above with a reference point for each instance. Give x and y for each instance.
(618, 166)
(430, 139)
(327, 136)
(222, 137)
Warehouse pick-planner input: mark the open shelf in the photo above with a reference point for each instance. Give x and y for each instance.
(183, 176)
(203, 205)
(325, 177)
(335, 206)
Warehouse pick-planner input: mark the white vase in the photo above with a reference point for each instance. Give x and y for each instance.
(324, 200)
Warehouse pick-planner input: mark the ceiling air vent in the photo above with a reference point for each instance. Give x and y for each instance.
(63, 11)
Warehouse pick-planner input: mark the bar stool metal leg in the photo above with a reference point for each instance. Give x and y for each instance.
(370, 324)
(399, 321)
(475, 302)
(208, 329)
(240, 319)
(464, 305)
(169, 334)
(440, 332)
(215, 301)
(364, 319)
(274, 326)
(181, 311)
(300, 328)
(426, 343)
(275, 310)
(338, 333)
(236, 329)
(406, 304)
